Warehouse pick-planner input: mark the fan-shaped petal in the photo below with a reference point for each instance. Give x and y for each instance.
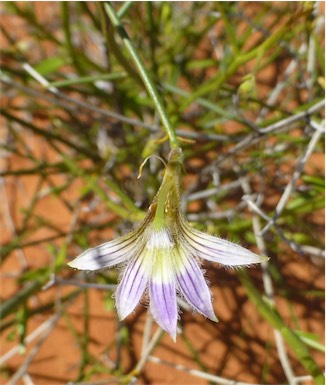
(107, 254)
(219, 250)
(133, 284)
(192, 284)
(162, 291)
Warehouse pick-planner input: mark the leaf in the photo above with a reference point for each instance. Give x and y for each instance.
(50, 65)
(311, 340)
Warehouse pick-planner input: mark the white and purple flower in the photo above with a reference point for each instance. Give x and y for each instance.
(162, 256)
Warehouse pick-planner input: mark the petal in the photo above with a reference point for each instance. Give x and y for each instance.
(192, 283)
(162, 291)
(219, 250)
(107, 254)
(164, 306)
(133, 284)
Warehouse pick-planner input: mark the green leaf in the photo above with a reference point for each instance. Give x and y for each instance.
(50, 65)
(311, 340)
(316, 181)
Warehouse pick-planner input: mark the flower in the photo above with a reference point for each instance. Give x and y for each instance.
(162, 256)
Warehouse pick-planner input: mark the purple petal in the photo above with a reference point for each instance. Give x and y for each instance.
(132, 285)
(107, 254)
(193, 285)
(164, 306)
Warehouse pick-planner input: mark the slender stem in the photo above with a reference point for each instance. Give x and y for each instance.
(150, 347)
(148, 82)
(124, 8)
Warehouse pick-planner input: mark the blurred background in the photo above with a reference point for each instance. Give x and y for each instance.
(243, 83)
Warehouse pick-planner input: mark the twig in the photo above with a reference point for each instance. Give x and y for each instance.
(198, 373)
(212, 377)
(294, 246)
(27, 380)
(290, 187)
(312, 250)
(255, 137)
(31, 337)
(300, 379)
(24, 367)
(10, 223)
(281, 85)
(101, 111)
(197, 217)
(149, 348)
(147, 332)
(292, 119)
(73, 282)
(269, 290)
(212, 191)
(35, 75)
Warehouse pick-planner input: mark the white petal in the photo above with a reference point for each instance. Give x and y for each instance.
(219, 250)
(107, 254)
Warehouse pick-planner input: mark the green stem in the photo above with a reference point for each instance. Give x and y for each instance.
(124, 8)
(148, 82)
(114, 49)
